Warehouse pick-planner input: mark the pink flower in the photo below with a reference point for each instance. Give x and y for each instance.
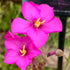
(20, 50)
(40, 22)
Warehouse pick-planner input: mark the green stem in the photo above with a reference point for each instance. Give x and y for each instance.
(65, 57)
(67, 64)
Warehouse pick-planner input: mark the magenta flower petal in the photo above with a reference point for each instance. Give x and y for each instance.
(9, 35)
(55, 25)
(14, 44)
(12, 41)
(47, 12)
(23, 62)
(35, 51)
(9, 57)
(20, 25)
(29, 11)
(26, 40)
(35, 5)
(38, 37)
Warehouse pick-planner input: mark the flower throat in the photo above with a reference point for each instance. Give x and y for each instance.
(38, 22)
(23, 51)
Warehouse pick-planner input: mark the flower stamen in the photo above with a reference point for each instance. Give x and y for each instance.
(23, 51)
(38, 22)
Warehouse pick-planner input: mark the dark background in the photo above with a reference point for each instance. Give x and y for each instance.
(61, 7)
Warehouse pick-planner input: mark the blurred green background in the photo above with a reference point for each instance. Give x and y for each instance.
(12, 9)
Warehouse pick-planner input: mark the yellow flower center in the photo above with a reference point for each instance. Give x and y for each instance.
(38, 22)
(23, 51)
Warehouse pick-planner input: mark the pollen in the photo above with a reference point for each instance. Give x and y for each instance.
(23, 51)
(38, 22)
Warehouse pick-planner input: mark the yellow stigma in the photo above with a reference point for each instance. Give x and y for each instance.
(23, 51)
(38, 22)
